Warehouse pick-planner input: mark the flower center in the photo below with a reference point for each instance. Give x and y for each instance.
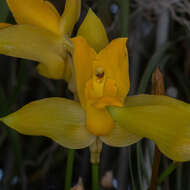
(99, 72)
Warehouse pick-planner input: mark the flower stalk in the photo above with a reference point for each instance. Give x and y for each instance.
(95, 151)
(69, 169)
(95, 176)
(168, 171)
(157, 89)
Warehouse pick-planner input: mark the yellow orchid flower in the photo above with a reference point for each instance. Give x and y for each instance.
(101, 79)
(71, 125)
(162, 119)
(41, 35)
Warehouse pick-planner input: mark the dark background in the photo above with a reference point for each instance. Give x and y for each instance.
(158, 33)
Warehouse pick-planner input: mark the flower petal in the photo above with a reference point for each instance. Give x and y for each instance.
(32, 42)
(113, 60)
(93, 31)
(83, 59)
(162, 119)
(120, 137)
(36, 12)
(98, 121)
(70, 16)
(60, 119)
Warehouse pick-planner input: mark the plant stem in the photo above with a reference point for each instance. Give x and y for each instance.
(123, 170)
(4, 10)
(95, 176)
(131, 171)
(139, 169)
(158, 88)
(168, 171)
(124, 16)
(69, 169)
(155, 169)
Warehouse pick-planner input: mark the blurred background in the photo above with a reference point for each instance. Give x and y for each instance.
(158, 35)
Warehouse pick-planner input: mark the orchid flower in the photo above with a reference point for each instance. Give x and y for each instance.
(102, 83)
(101, 75)
(41, 34)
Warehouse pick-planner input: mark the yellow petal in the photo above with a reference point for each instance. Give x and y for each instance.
(31, 42)
(98, 121)
(93, 31)
(70, 16)
(60, 119)
(162, 119)
(68, 68)
(113, 60)
(144, 99)
(100, 95)
(102, 79)
(83, 59)
(59, 70)
(36, 12)
(4, 25)
(120, 137)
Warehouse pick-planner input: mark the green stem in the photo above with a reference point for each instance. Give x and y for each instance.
(168, 171)
(124, 16)
(4, 11)
(131, 171)
(69, 169)
(95, 176)
(179, 178)
(138, 148)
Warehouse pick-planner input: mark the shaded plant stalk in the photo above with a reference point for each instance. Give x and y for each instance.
(157, 89)
(95, 177)
(168, 171)
(95, 151)
(69, 168)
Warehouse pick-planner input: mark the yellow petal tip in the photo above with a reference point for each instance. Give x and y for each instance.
(93, 31)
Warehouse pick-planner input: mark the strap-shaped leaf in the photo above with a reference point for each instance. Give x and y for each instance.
(162, 119)
(60, 119)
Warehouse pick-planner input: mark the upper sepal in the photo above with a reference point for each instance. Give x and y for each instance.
(93, 31)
